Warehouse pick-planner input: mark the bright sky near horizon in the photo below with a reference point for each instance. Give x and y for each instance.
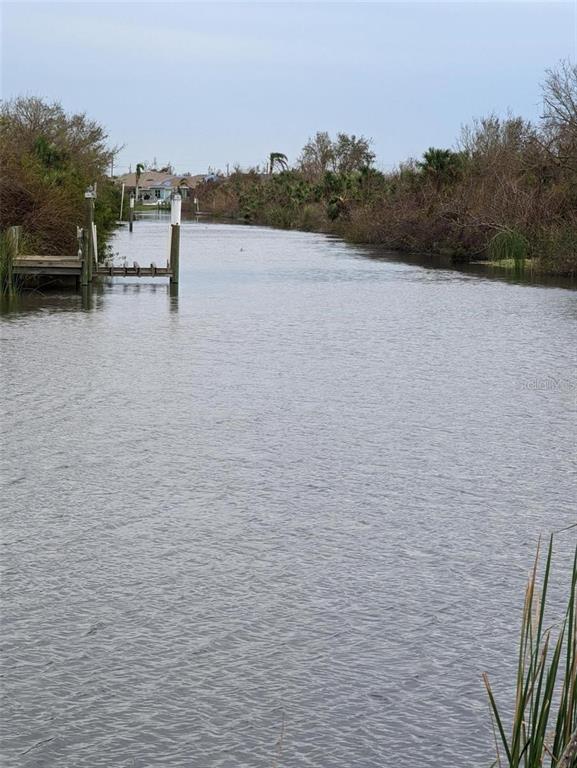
(206, 84)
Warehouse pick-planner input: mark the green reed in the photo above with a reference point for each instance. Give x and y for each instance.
(509, 245)
(544, 727)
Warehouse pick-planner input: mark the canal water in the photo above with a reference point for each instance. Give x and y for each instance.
(281, 519)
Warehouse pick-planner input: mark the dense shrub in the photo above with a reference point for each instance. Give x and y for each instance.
(47, 160)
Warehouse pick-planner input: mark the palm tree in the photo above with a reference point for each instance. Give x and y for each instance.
(277, 158)
(440, 165)
(139, 169)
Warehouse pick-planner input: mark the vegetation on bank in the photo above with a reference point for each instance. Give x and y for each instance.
(544, 723)
(507, 191)
(8, 285)
(47, 161)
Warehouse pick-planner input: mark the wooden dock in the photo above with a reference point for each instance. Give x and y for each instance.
(84, 266)
(56, 266)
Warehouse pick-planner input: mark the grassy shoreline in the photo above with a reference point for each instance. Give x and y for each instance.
(529, 264)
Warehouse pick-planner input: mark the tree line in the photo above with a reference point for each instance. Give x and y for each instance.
(506, 190)
(47, 160)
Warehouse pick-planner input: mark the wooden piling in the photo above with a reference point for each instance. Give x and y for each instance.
(131, 212)
(84, 279)
(94, 245)
(175, 209)
(89, 196)
(174, 253)
(14, 235)
(87, 294)
(88, 238)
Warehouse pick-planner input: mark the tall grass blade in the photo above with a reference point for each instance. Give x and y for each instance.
(546, 680)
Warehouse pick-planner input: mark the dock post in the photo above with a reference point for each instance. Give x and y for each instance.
(89, 254)
(94, 246)
(14, 234)
(131, 212)
(175, 209)
(82, 251)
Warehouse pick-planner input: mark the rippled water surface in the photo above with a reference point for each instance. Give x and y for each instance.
(285, 516)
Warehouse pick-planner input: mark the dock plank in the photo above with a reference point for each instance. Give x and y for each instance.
(46, 264)
(43, 257)
(49, 265)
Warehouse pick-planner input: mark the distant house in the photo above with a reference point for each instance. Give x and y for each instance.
(156, 187)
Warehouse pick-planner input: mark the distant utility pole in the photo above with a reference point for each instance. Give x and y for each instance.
(227, 169)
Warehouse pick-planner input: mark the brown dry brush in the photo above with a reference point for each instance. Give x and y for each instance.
(508, 190)
(47, 159)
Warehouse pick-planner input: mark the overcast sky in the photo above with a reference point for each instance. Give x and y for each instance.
(209, 84)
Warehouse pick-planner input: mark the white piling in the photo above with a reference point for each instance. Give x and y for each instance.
(175, 213)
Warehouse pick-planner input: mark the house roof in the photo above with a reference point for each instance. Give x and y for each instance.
(158, 179)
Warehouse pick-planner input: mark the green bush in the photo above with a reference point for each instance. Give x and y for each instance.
(47, 160)
(555, 248)
(509, 245)
(312, 218)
